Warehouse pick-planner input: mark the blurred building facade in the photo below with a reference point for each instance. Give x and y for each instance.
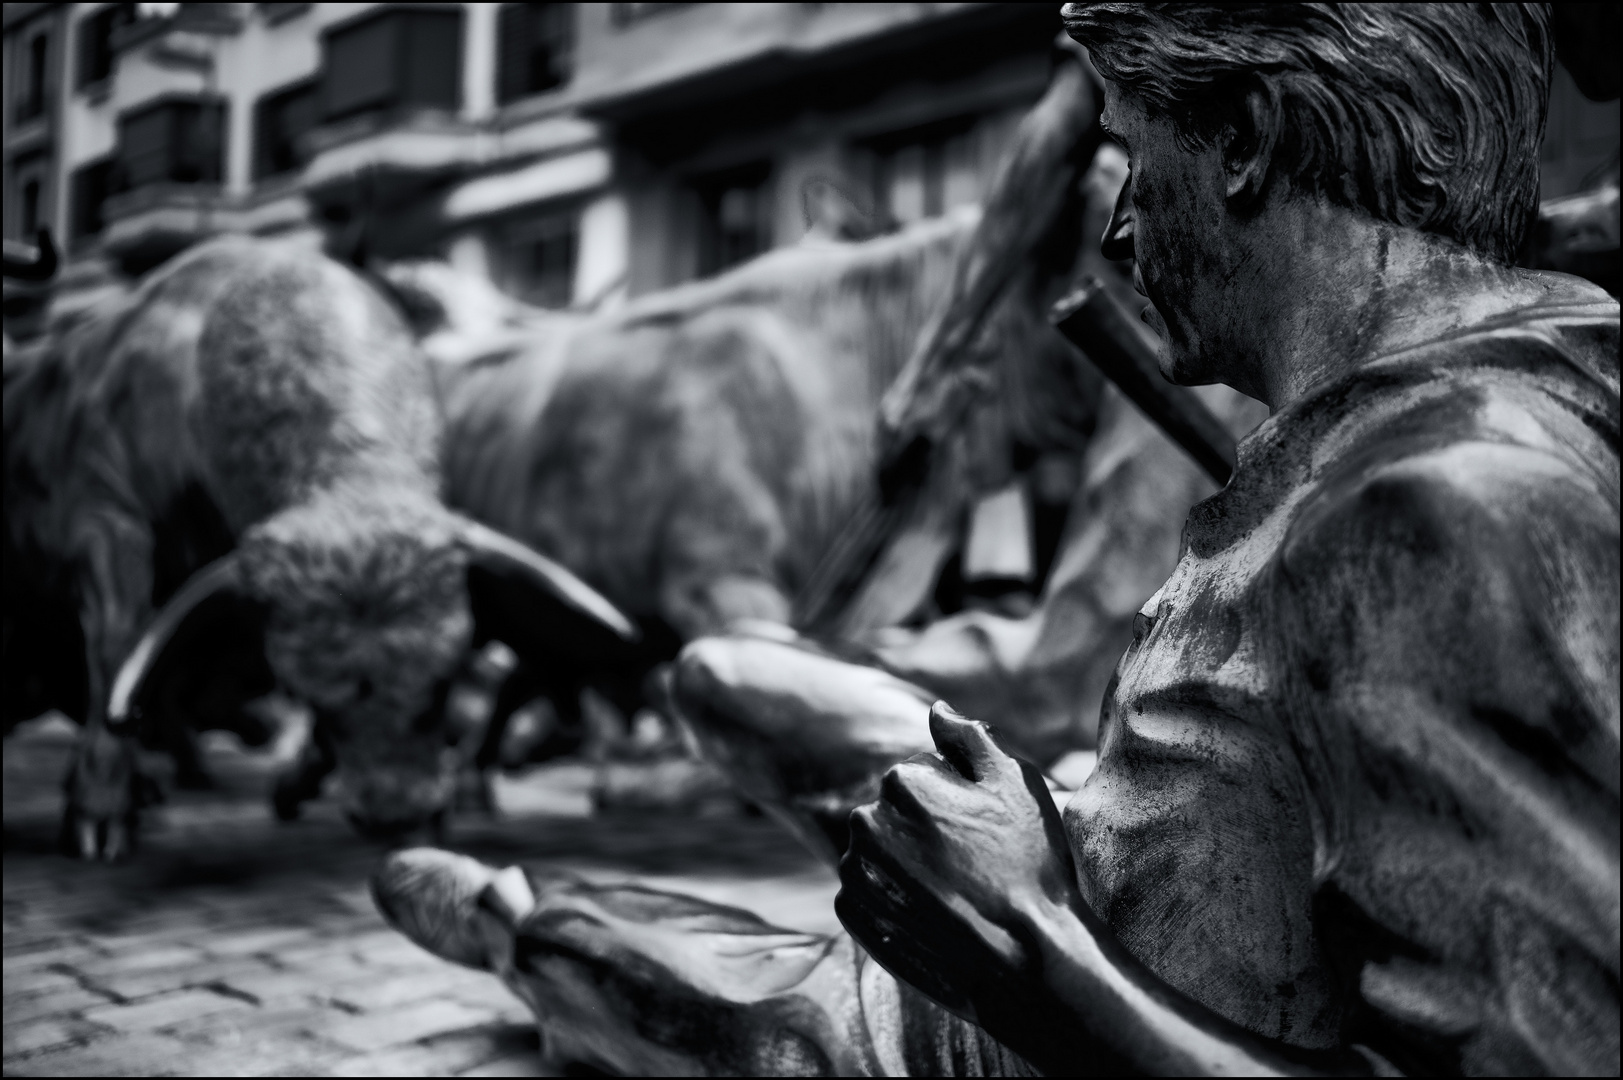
(574, 153)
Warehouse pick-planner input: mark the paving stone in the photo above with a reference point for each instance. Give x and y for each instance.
(412, 1023)
(259, 941)
(23, 1039)
(443, 1057)
(299, 1019)
(387, 948)
(161, 1012)
(132, 958)
(270, 986)
(62, 1001)
(46, 958)
(142, 984)
(39, 982)
(489, 993)
(299, 1055)
(374, 994)
(222, 907)
(15, 950)
(134, 1055)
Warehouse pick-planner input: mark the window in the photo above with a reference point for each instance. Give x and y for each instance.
(89, 188)
(397, 57)
(926, 171)
(171, 141)
(25, 193)
(537, 258)
(280, 119)
(31, 84)
(735, 216)
(96, 42)
(28, 219)
(537, 49)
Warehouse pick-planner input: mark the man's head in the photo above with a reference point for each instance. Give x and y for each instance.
(1427, 117)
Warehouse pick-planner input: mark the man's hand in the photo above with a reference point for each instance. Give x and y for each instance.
(948, 869)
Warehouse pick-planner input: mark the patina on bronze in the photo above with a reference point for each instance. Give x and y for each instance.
(1357, 793)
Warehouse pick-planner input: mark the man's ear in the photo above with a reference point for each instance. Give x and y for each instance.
(1249, 151)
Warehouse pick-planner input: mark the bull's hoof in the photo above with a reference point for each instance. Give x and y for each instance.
(102, 791)
(109, 840)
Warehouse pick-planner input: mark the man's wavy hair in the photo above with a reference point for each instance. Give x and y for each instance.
(1424, 115)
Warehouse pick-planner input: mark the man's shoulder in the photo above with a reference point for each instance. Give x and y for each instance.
(1460, 495)
(1503, 428)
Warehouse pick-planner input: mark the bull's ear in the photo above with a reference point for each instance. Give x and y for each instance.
(207, 645)
(536, 606)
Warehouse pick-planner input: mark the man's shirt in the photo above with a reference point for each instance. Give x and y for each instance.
(1359, 776)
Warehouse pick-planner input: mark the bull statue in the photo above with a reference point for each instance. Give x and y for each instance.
(229, 481)
(701, 454)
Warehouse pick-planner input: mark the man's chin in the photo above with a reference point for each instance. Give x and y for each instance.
(1152, 318)
(1179, 364)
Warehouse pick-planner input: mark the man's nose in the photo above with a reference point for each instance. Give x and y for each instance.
(1117, 244)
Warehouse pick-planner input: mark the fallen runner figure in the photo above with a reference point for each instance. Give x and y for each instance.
(1356, 806)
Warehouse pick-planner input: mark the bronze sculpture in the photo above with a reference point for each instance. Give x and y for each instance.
(1357, 800)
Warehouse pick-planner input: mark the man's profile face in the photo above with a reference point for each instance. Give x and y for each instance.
(1173, 219)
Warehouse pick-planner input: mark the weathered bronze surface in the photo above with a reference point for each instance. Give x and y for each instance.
(1357, 790)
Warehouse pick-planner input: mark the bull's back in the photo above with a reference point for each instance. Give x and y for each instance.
(723, 428)
(306, 377)
(716, 445)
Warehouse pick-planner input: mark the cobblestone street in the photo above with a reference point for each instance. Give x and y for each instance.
(234, 945)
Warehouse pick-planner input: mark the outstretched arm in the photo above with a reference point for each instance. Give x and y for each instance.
(959, 881)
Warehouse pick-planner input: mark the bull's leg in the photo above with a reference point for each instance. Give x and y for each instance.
(639, 982)
(103, 787)
(563, 732)
(301, 781)
(103, 792)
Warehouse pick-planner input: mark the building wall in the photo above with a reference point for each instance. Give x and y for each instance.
(475, 184)
(685, 136)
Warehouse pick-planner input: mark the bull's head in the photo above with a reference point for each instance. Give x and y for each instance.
(368, 610)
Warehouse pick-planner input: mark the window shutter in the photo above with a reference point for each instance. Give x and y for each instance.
(513, 36)
(360, 70)
(433, 59)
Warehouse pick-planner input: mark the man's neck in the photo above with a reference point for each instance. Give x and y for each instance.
(1348, 289)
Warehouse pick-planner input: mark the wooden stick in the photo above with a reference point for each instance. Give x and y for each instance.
(1096, 323)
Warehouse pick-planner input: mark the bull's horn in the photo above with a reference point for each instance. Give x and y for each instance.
(38, 264)
(224, 575)
(503, 555)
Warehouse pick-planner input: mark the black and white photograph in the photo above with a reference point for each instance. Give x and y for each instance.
(800, 539)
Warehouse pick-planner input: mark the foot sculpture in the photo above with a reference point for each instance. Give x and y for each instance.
(641, 982)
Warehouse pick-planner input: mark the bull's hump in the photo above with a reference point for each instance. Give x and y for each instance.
(304, 375)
